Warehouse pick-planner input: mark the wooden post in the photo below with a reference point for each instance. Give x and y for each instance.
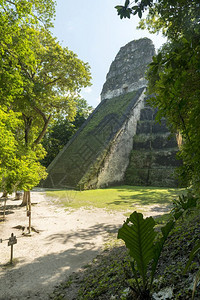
(12, 240)
(29, 210)
(4, 209)
(26, 199)
(11, 255)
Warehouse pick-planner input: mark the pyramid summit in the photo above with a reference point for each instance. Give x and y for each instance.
(127, 71)
(120, 142)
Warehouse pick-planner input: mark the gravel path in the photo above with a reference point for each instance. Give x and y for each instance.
(65, 242)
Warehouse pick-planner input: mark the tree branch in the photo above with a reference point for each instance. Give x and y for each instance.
(53, 81)
(184, 126)
(42, 133)
(11, 2)
(27, 123)
(40, 113)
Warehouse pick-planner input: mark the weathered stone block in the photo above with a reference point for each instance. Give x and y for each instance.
(144, 127)
(164, 159)
(137, 177)
(140, 159)
(160, 127)
(142, 144)
(160, 177)
(163, 141)
(146, 114)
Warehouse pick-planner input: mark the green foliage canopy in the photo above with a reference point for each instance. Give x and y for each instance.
(17, 18)
(52, 87)
(175, 78)
(19, 167)
(39, 79)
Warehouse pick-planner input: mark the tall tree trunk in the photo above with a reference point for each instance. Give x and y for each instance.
(27, 202)
(25, 198)
(4, 209)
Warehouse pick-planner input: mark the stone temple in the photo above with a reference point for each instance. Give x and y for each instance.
(120, 142)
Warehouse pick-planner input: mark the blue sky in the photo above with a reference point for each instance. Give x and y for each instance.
(93, 30)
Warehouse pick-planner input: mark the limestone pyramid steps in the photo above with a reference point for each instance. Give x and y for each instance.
(156, 142)
(151, 177)
(153, 158)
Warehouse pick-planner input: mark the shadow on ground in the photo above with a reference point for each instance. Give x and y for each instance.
(86, 235)
(147, 196)
(38, 278)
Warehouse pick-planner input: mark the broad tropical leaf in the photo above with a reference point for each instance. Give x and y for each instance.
(193, 253)
(138, 235)
(197, 278)
(183, 204)
(159, 246)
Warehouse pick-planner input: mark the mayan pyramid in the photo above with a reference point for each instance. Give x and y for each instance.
(120, 142)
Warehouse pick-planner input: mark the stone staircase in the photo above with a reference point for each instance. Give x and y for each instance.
(153, 158)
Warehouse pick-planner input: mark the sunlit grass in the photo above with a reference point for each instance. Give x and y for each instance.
(123, 198)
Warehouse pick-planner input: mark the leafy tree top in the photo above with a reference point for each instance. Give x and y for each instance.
(33, 12)
(172, 17)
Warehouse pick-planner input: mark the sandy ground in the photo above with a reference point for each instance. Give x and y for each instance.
(66, 241)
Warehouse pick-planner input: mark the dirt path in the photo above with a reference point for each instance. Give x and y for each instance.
(65, 242)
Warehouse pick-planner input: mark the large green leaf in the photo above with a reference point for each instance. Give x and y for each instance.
(158, 246)
(138, 234)
(193, 253)
(183, 204)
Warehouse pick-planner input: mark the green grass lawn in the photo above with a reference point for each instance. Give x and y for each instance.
(123, 198)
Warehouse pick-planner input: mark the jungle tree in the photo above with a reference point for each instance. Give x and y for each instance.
(39, 78)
